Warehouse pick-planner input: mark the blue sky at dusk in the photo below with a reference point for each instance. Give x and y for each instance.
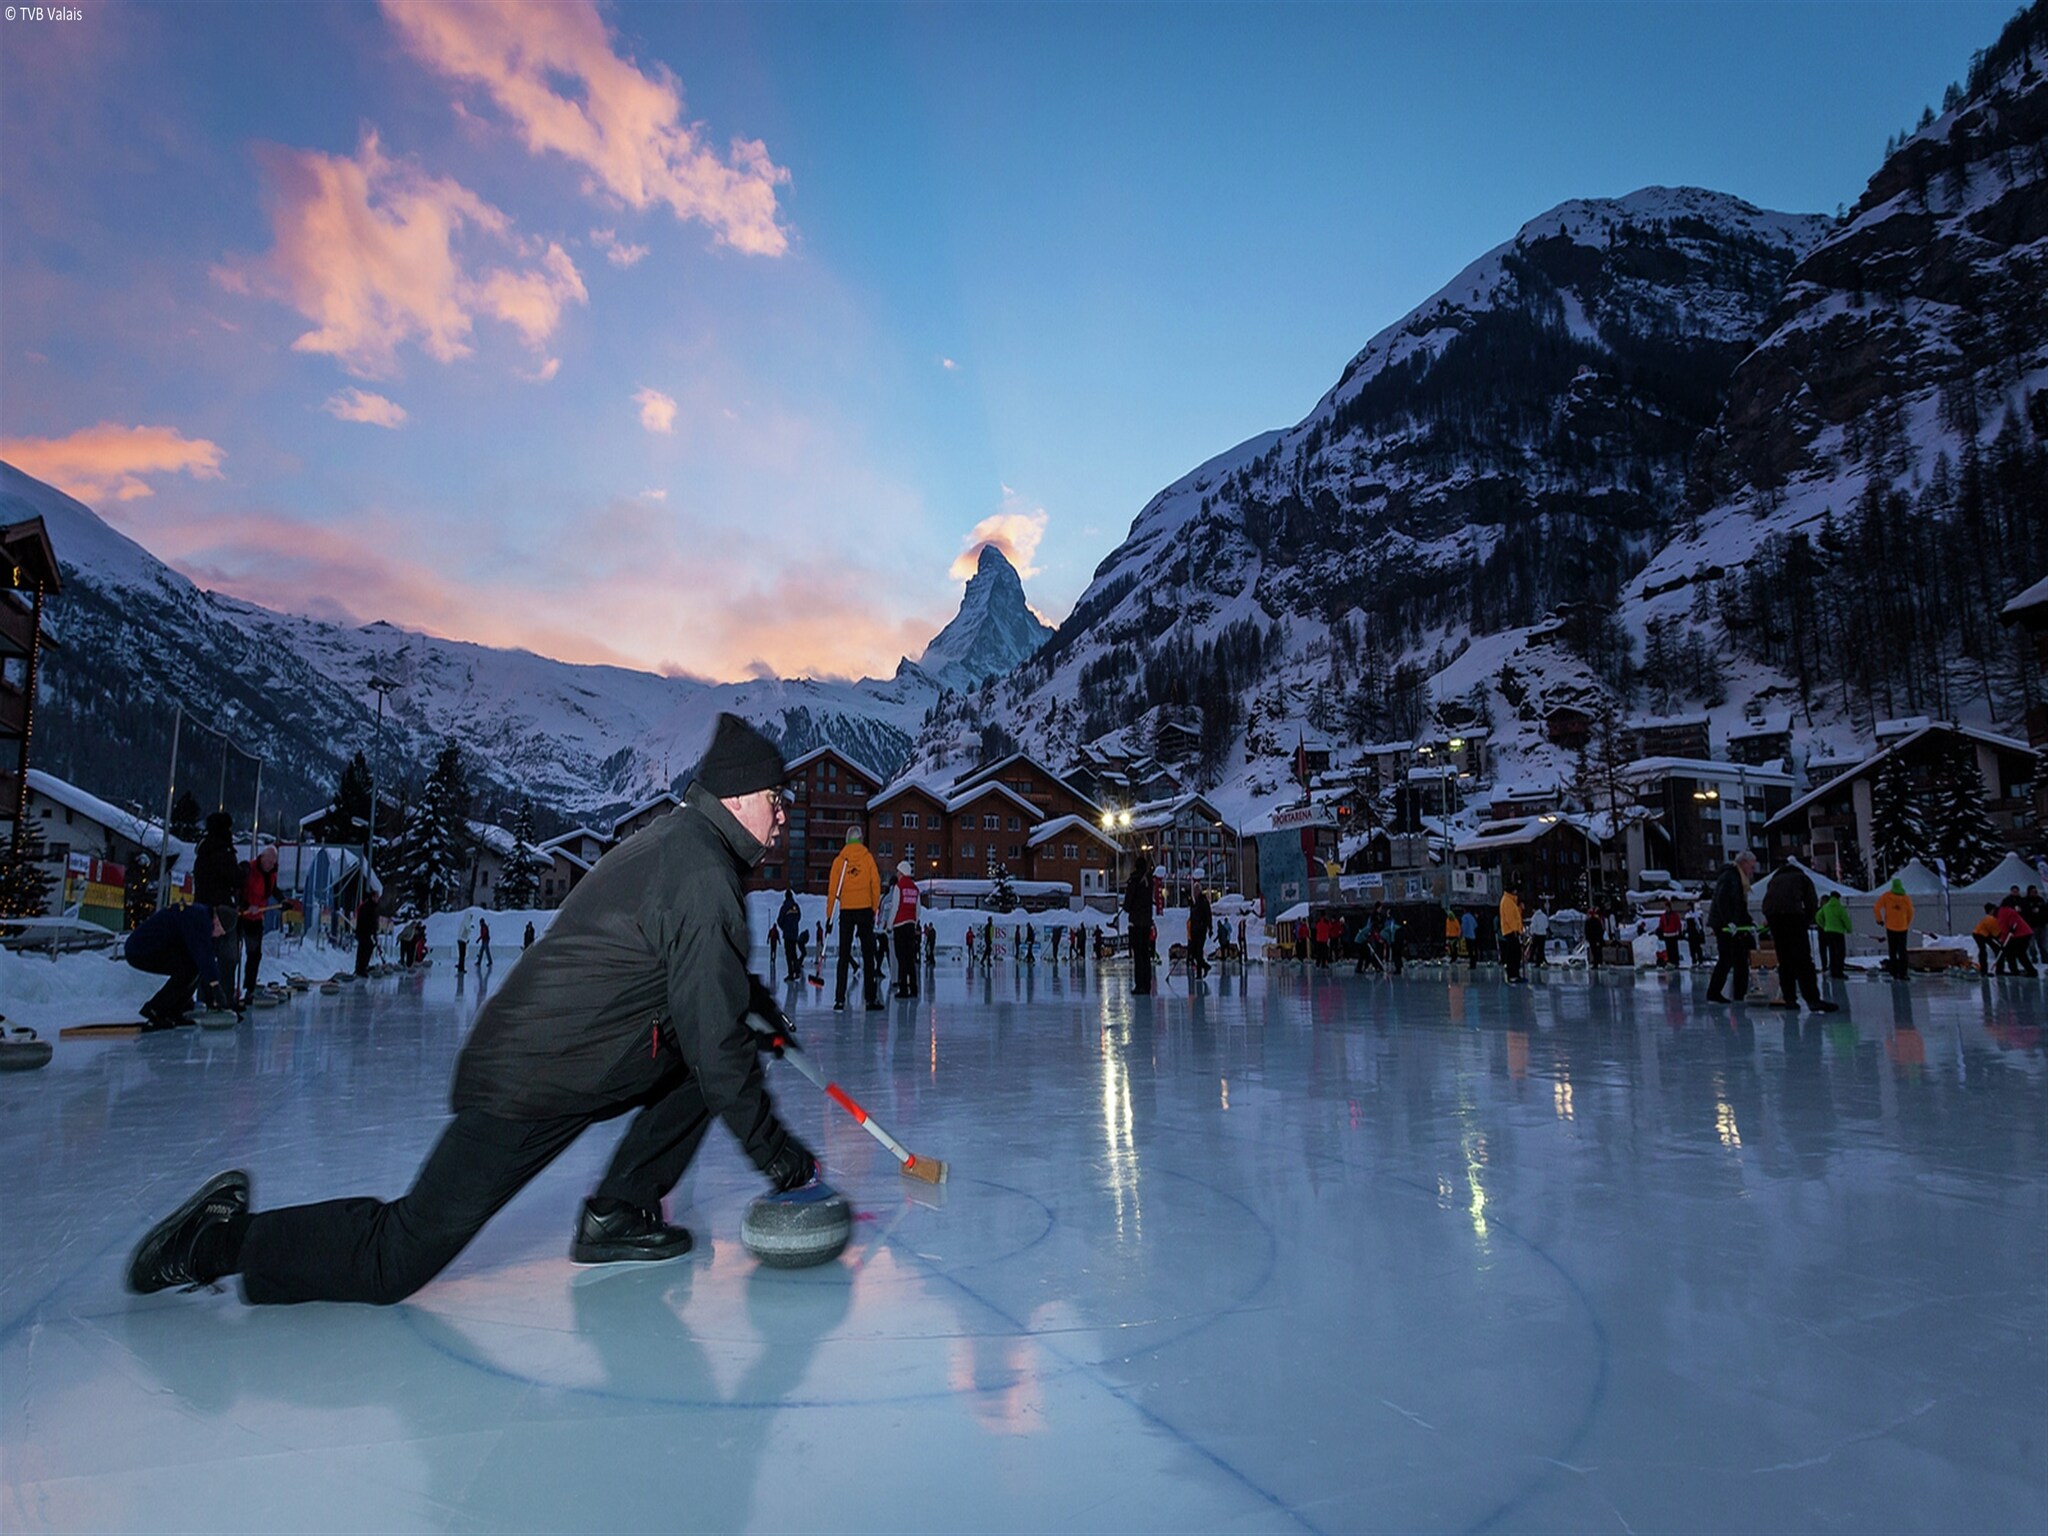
(710, 338)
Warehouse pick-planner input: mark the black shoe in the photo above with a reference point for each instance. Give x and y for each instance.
(1786, 1003)
(1827, 1007)
(839, 1006)
(623, 1233)
(1715, 997)
(164, 1258)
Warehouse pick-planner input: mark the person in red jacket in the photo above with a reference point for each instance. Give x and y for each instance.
(256, 899)
(904, 930)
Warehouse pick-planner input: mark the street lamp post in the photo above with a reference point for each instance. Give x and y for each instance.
(381, 685)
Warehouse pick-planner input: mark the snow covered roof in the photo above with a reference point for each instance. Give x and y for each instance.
(1989, 738)
(933, 790)
(2035, 596)
(571, 836)
(1703, 768)
(1518, 833)
(817, 752)
(496, 838)
(1160, 813)
(1061, 825)
(565, 856)
(961, 801)
(143, 833)
(977, 775)
(667, 797)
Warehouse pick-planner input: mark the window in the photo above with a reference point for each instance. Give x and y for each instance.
(888, 850)
(910, 818)
(1013, 823)
(887, 819)
(991, 823)
(967, 850)
(931, 850)
(1016, 851)
(1069, 852)
(854, 788)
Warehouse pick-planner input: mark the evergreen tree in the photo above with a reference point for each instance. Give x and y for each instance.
(138, 899)
(185, 817)
(1962, 832)
(352, 794)
(24, 882)
(1898, 826)
(519, 884)
(1004, 897)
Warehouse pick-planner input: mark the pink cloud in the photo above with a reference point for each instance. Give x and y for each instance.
(1016, 530)
(372, 251)
(108, 462)
(361, 405)
(616, 251)
(616, 605)
(552, 69)
(657, 411)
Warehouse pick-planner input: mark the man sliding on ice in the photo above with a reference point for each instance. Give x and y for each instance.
(636, 999)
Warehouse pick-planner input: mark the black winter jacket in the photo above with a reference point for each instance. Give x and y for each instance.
(1791, 894)
(641, 976)
(213, 872)
(1730, 906)
(1138, 900)
(166, 941)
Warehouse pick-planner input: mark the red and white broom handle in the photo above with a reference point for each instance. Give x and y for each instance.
(845, 1101)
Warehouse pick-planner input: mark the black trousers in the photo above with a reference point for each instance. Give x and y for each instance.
(366, 945)
(1834, 954)
(175, 995)
(1511, 955)
(1731, 958)
(1895, 952)
(906, 937)
(856, 935)
(792, 956)
(1141, 960)
(381, 1252)
(1796, 976)
(1198, 941)
(252, 946)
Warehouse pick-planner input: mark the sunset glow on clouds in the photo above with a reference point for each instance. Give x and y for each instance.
(1016, 530)
(551, 69)
(361, 405)
(110, 462)
(657, 411)
(375, 252)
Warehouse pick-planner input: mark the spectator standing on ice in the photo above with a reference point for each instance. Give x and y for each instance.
(1834, 923)
(1895, 916)
(1670, 930)
(1596, 935)
(854, 890)
(1138, 919)
(1695, 939)
(216, 882)
(903, 929)
(258, 897)
(1734, 929)
(1199, 914)
(526, 943)
(369, 913)
(640, 1003)
(483, 942)
(1539, 935)
(789, 921)
(463, 934)
(1790, 906)
(1468, 936)
(1511, 935)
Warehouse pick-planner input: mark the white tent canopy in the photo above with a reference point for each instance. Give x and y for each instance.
(1918, 880)
(2012, 870)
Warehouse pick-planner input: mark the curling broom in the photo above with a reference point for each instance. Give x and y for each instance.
(929, 1169)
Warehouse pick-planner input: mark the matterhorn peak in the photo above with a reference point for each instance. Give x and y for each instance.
(993, 631)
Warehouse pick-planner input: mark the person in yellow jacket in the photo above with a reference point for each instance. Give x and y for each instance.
(1511, 936)
(1452, 929)
(854, 891)
(1895, 912)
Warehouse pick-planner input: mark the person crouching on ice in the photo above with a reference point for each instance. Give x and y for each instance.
(635, 1000)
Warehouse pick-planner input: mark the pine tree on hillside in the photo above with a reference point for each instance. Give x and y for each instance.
(1963, 835)
(352, 793)
(1898, 826)
(519, 884)
(24, 882)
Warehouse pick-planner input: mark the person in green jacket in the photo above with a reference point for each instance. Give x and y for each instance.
(1835, 927)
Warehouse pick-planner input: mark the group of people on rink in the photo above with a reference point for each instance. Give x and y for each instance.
(209, 950)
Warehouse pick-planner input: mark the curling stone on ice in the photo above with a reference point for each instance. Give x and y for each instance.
(806, 1226)
(216, 1018)
(22, 1049)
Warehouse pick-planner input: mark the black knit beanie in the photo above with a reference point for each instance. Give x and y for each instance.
(739, 760)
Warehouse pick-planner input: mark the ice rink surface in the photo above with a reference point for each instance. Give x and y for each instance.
(1304, 1252)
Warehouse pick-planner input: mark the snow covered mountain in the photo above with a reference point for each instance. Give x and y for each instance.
(1655, 453)
(994, 630)
(136, 638)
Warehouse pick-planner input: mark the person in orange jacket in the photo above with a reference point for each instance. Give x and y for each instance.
(854, 891)
(1511, 935)
(1895, 912)
(1990, 941)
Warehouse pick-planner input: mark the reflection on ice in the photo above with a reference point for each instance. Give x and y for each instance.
(1295, 1252)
